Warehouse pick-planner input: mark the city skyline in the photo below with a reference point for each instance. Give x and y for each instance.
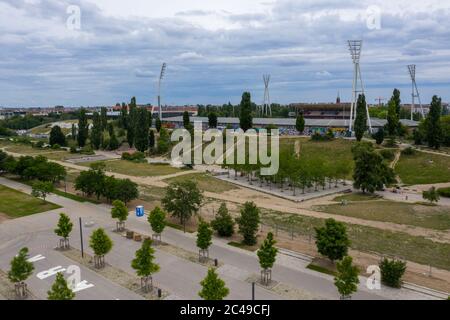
(215, 51)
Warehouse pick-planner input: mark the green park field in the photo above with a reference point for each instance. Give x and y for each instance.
(136, 169)
(16, 204)
(423, 168)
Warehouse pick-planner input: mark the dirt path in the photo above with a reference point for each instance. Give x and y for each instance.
(266, 201)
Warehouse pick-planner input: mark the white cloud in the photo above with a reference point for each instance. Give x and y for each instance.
(216, 49)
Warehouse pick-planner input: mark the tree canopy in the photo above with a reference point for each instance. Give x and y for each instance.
(332, 240)
(267, 253)
(213, 288)
(60, 289)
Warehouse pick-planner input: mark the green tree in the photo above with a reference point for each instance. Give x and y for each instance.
(74, 132)
(267, 255)
(361, 117)
(21, 269)
(300, 123)
(431, 195)
(212, 120)
(213, 288)
(41, 189)
(104, 118)
(392, 272)
(186, 120)
(397, 102)
(433, 124)
(63, 230)
(60, 289)
(417, 136)
(120, 212)
(223, 222)
(204, 239)
(83, 128)
(151, 140)
(57, 136)
(157, 220)
(158, 124)
(379, 136)
(370, 173)
(182, 200)
(131, 122)
(346, 280)
(96, 132)
(123, 117)
(101, 244)
(144, 265)
(142, 130)
(163, 141)
(249, 223)
(113, 142)
(392, 119)
(332, 240)
(245, 116)
(127, 190)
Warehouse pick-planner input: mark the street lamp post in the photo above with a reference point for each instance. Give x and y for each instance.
(81, 238)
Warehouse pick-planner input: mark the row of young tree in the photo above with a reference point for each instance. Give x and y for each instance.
(296, 171)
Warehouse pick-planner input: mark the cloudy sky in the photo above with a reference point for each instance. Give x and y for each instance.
(217, 49)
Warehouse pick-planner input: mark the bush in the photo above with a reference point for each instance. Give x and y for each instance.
(323, 137)
(387, 154)
(408, 151)
(87, 149)
(444, 192)
(135, 157)
(39, 145)
(56, 146)
(392, 272)
(73, 149)
(223, 223)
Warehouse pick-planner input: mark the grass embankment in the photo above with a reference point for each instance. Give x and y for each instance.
(205, 182)
(368, 239)
(136, 169)
(16, 204)
(333, 151)
(423, 168)
(414, 214)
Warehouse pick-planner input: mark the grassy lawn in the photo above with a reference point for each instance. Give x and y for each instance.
(369, 239)
(332, 151)
(137, 169)
(150, 194)
(423, 168)
(205, 181)
(432, 217)
(16, 204)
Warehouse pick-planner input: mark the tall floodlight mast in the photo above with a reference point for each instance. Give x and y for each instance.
(161, 76)
(355, 47)
(415, 92)
(266, 107)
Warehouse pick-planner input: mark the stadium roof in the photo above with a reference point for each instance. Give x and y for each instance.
(338, 123)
